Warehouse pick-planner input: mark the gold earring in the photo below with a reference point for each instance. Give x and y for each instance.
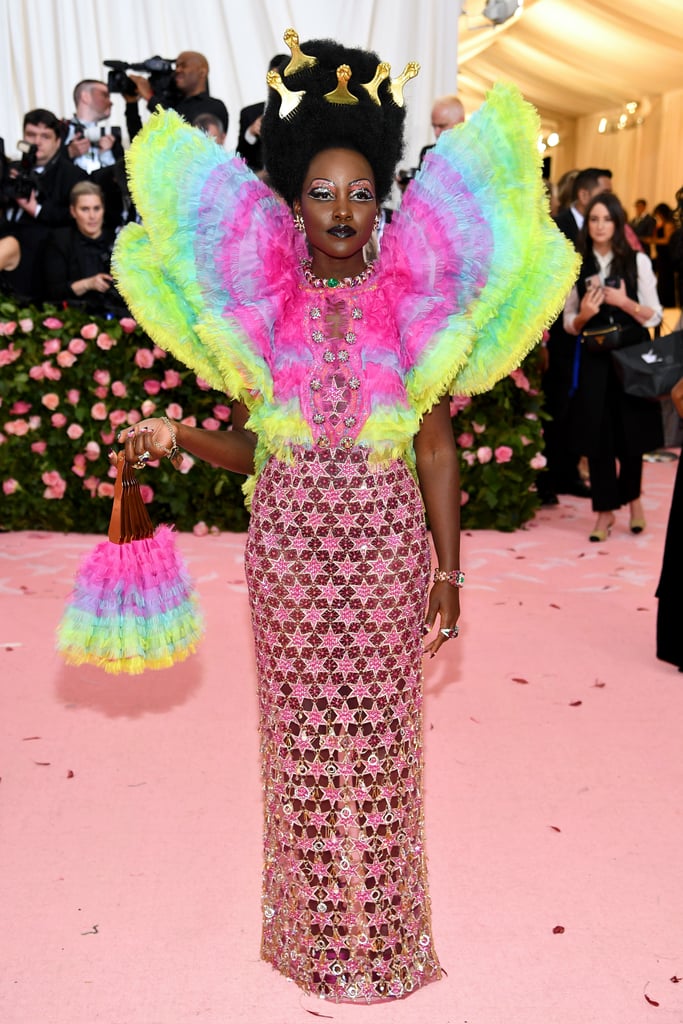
(376, 223)
(299, 222)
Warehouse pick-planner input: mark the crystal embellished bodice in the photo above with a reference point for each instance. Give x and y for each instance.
(347, 355)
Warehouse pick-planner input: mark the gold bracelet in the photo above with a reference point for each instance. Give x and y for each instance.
(174, 449)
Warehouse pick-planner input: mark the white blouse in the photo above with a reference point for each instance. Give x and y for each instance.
(647, 291)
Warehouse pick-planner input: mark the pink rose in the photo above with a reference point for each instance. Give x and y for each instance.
(465, 440)
(469, 457)
(117, 417)
(2, 438)
(9, 354)
(102, 377)
(107, 436)
(78, 469)
(215, 531)
(143, 358)
(20, 408)
(52, 372)
(105, 342)
(146, 493)
(92, 451)
(200, 529)
(148, 407)
(112, 472)
(172, 379)
(8, 327)
(187, 463)
(478, 428)
(530, 416)
(56, 493)
(99, 411)
(158, 353)
(210, 423)
(34, 422)
(202, 384)
(51, 346)
(152, 386)
(222, 412)
(26, 324)
(134, 416)
(503, 453)
(51, 478)
(52, 323)
(39, 447)
(36, 373)
(17, 428)
(66, 359)
(538, 462)
(520, 379)
(464, 497)
(58, 419)
(525, 440)
(91, 483)
(458, 403)
(484, 454)
(119, 389)
(73, 396)
(10, 485)
(89, 331)
(105, 490)
(128, 325)
(77, 346)
(101, 392)
(189, 421)
(174, 411)
(74, 431)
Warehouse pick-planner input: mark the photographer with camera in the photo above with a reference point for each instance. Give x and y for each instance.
(35, 199)
(77, 259)
(186, 91)
(89, 145)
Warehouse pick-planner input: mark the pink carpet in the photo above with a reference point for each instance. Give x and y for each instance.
(130, 843)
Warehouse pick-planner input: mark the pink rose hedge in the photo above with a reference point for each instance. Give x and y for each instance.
(69, 383)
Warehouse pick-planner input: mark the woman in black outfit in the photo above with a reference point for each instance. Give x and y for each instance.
(77, 258)
(615, 286)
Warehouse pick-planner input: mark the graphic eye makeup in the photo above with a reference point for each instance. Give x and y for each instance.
(321, 189)
(362, 193)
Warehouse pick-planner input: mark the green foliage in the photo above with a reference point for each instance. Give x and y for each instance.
(500, 441)
(68, 384)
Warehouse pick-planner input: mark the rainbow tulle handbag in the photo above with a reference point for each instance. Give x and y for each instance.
(133, 607)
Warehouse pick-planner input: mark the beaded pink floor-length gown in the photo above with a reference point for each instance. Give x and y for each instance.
(337, 380)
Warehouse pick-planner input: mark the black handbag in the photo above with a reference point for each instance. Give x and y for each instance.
(610, 337)
(651, 369)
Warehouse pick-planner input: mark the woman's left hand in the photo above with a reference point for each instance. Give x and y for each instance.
(444, 601)
(616, 296)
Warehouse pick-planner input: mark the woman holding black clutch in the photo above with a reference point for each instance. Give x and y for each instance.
(616, 294)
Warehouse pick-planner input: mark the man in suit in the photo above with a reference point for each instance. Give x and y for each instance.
(249, 141)
(447, 111)
(42, 205)
(87, 144)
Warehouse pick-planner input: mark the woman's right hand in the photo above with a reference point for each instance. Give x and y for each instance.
(592, 300)
(152, 435)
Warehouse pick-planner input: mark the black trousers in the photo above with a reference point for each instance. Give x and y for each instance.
(612, 486)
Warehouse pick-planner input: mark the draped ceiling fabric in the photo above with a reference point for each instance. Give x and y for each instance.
(581, 60)
(576, 60)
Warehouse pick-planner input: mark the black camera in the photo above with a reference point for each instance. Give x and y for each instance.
(22, 183)
(160, 73)
(612, 282)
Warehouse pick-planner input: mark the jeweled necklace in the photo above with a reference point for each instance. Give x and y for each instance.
(336, 282)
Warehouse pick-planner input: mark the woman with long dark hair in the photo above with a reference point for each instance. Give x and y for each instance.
(616, 288)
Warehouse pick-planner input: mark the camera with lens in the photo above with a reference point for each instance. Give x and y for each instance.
(22, 183)
(160, 73)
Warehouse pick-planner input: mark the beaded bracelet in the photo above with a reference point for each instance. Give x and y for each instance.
(456, 577)
(174, 450)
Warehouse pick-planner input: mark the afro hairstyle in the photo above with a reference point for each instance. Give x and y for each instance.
(375, 131)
